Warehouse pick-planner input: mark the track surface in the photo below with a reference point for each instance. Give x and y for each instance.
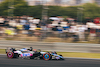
(5, 62)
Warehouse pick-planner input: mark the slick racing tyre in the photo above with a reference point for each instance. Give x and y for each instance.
(10, 55)
(46, 56)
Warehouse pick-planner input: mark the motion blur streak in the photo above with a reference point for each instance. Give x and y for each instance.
(4, 62)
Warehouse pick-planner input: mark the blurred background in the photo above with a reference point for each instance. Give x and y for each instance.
(58, 25)
(70, 27)
(50, 20)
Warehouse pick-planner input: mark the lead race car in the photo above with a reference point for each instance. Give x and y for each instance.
(31, 53)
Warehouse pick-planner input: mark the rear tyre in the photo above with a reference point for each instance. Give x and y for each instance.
(10, 55)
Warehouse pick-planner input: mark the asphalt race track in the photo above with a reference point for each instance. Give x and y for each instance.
(5, 62)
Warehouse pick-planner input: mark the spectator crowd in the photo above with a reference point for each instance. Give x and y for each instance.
(56, 28)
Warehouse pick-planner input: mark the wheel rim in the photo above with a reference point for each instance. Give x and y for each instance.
(46, 56)
(10, 55)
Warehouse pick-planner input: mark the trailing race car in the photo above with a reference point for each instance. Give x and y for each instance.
(32, 54)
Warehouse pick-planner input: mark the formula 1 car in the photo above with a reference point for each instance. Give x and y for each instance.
(31, 53)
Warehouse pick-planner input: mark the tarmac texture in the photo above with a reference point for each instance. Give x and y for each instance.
(68, 62)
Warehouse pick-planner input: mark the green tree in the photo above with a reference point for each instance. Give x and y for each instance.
(91, 10)
(35, 11)
(63, 11)
(19, 7)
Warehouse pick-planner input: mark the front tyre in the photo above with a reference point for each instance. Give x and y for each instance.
(46, 56)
